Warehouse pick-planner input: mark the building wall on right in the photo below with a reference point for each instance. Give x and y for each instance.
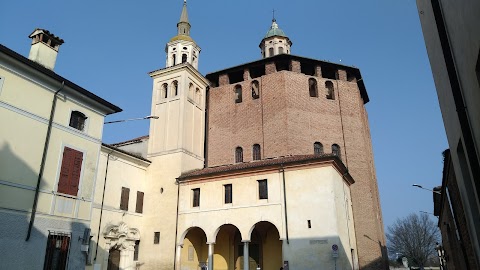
(452, 36)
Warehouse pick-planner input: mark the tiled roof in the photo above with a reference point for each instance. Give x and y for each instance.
(131, 141)
(125, 152)
(299, 159)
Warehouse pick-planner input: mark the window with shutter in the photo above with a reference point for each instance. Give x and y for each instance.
(228, 193)
(70, 171)
(156, 238)
(262, 189)
(124, 198)
(139, 207)
(196, 197)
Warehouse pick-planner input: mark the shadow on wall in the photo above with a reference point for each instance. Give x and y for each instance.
(379, 263)
(54, 243)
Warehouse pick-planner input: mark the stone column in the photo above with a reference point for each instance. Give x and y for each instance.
(126, 258)
(178, 257)
(210, 255)
(246, 256)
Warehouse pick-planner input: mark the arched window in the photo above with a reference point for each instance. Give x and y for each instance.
(238, 94)
(190, 90)
(198, 96)
(174, 60)
(164, 90)
(77, 120)
(174, 89)
(256, 152)
(280, 50)
(317, 148)
(330, 90)
(238, 154)
(255, 90)
(312, 87)
(184, 58)
(336, 150)
(270, 52)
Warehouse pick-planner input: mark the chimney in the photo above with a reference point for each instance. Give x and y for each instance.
(44, 48)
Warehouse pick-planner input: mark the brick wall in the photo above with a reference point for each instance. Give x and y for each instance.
(285, 120)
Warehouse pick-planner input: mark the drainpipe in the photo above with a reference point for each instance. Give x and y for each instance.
(282, 170)
(101, 207)
(42, 164)
(176, 226)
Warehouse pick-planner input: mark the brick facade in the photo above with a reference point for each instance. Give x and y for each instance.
(286, 120)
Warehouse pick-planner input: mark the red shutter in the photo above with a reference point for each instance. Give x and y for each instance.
(139, 208)
(124, 198)
(70, 171)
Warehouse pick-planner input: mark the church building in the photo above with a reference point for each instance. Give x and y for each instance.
(264, 165)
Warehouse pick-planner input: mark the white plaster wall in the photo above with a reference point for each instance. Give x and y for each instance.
(123, 171)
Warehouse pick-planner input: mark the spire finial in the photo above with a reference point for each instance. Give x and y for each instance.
(273, 19)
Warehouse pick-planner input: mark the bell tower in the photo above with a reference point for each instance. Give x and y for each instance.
(275, 41)
(176, 138)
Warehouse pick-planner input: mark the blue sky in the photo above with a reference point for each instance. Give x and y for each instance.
(111, 45)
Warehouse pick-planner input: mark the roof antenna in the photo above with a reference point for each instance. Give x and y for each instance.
(273, 19)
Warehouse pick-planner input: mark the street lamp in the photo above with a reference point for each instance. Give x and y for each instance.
(434, 191)
(133, 119)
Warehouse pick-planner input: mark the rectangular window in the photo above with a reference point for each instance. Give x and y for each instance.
(228, 193)
(262, 189)
(136, 249)
(56, 254)
(124, 198)
(196, 197)
(191, 252)
(70, 171)
(139, 207)
(156, 238)
(1, 84)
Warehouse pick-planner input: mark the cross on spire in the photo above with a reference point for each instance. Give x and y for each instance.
(273, 19)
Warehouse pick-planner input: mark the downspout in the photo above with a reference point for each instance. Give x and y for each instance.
(101, 207)
(285, 202)
(341, 123)
(176, 227)
(44, 158)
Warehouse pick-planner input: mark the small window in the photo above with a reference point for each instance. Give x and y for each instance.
(312, 87)
(190, 90)
(185, 48)
(77, 120)
(1, 83)
(238, 94)
(139, 205)
(136, 250)
(270, 52)
(280, 49)
(174, 60)
(228, 193)
(256, 152)
(309, 224)
(196, 197)
(238, 155)
(164, 90)
(262, 189)
(317, 148)
(56, 254)
(124, 198)
(184, 58)
(174, 88)
(198, 96)
(70, 171)
(255, 89)
(156, 238)
(336, 150)
(330, 90)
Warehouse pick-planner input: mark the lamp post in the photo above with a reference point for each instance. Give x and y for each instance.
(132, 119)
(434, 191)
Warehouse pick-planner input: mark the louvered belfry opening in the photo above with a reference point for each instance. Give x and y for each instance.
(57, 251)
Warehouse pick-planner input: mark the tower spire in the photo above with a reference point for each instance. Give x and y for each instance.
(183, 25)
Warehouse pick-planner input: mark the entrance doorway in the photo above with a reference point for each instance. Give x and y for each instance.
(114, 259)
